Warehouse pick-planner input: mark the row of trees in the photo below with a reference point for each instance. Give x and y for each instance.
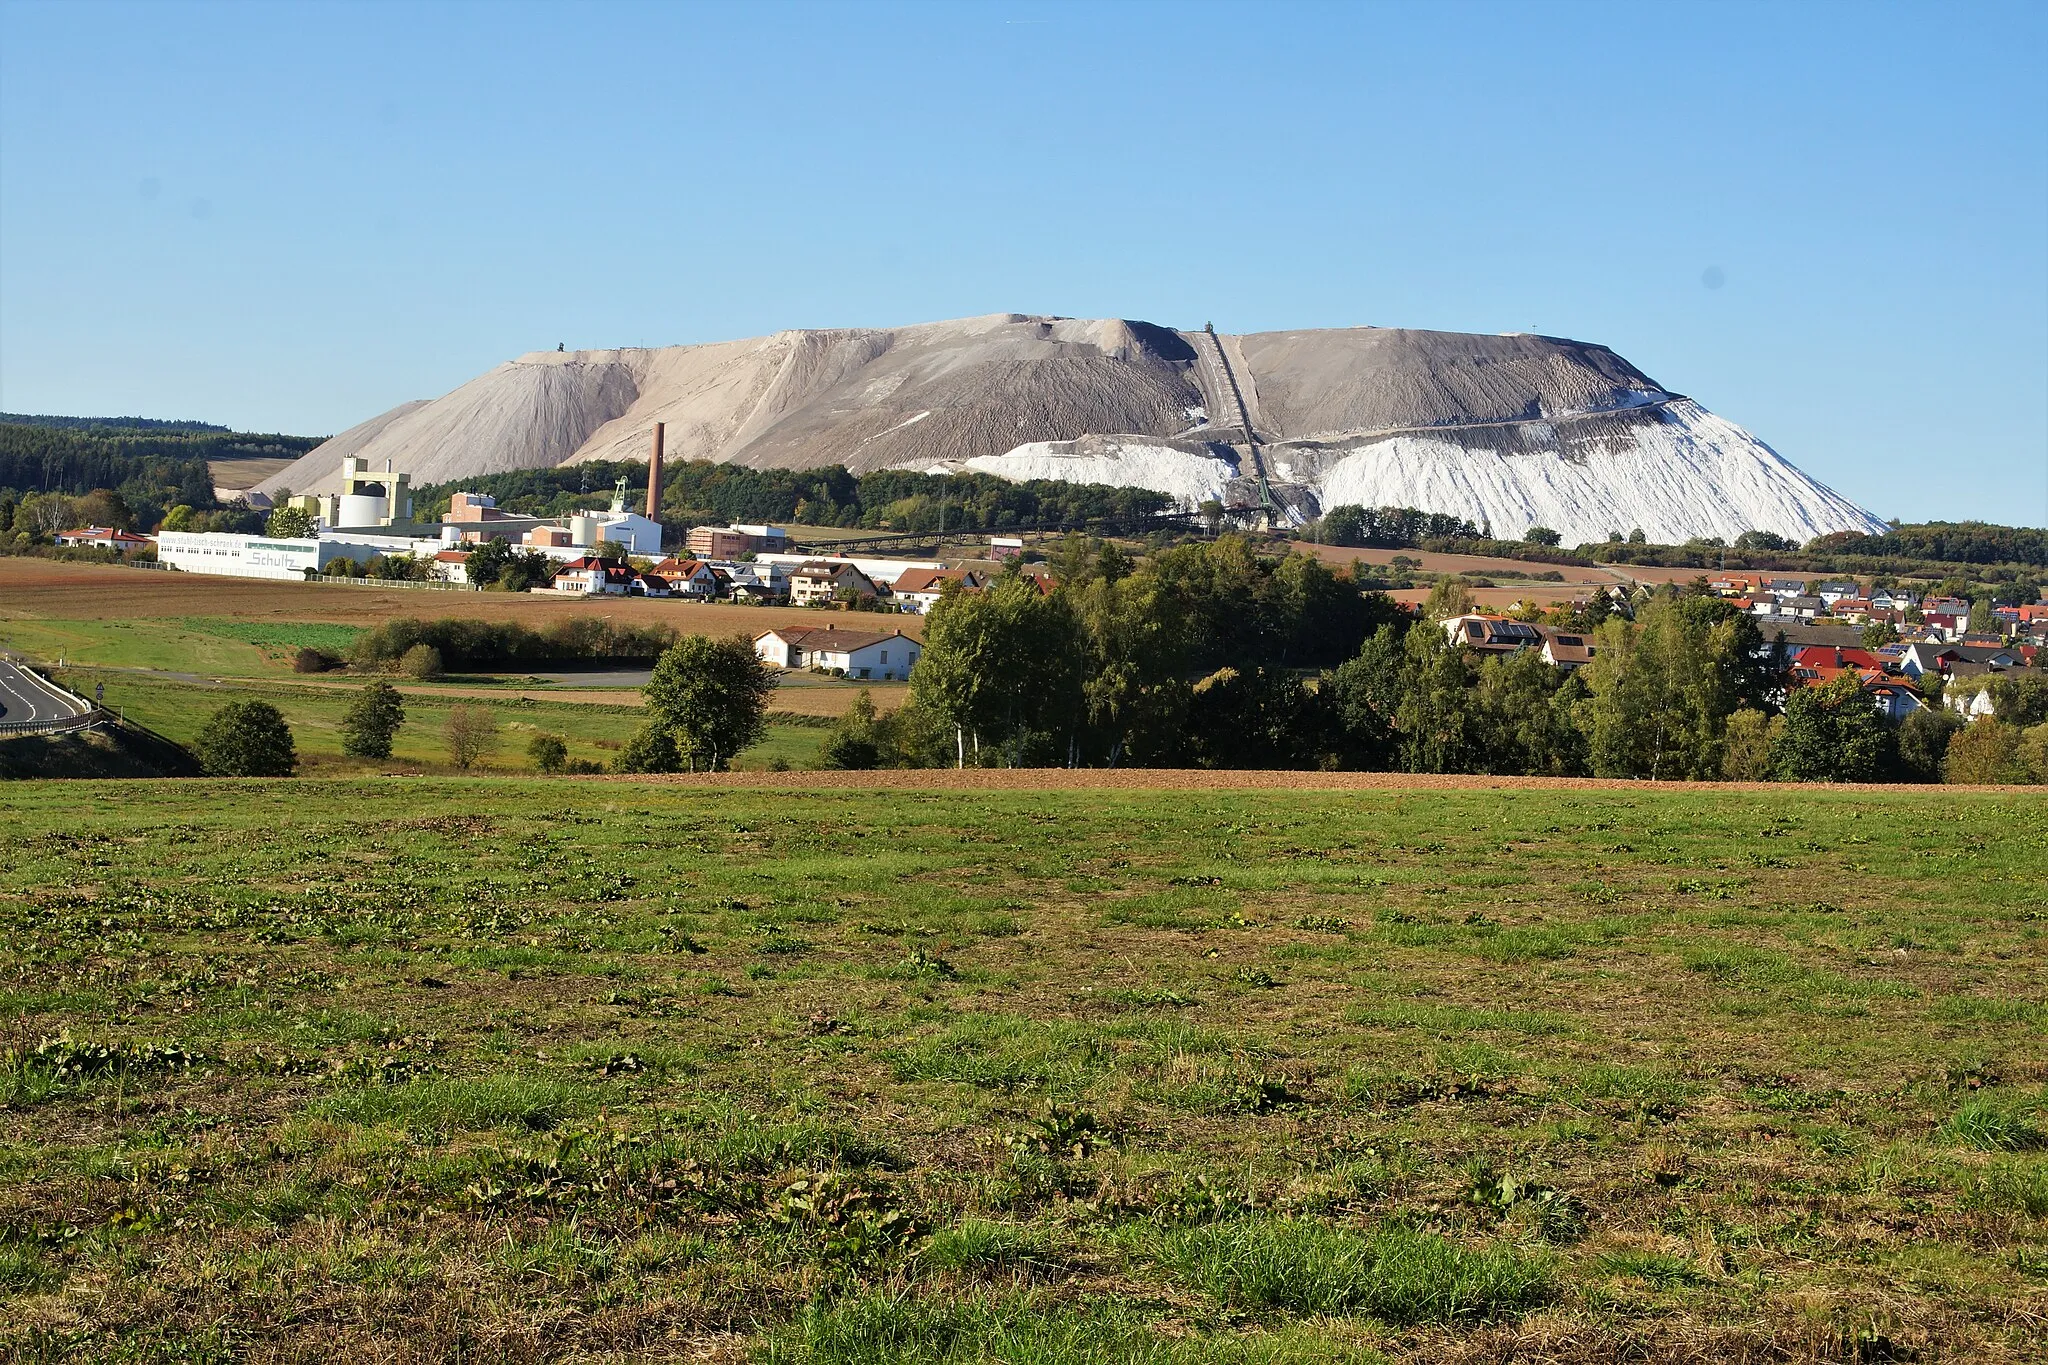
(698, 492)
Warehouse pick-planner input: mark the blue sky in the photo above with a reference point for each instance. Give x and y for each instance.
(1827, 222)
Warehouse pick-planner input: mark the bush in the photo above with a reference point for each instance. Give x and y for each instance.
(311, 660)
(651, 750)
(548, 752)
(422, 662)
(247, 739)
(2010, 1124)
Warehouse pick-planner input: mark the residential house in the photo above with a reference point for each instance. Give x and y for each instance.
(649, 585)
(1732, 585)
(1893, 599)
(1805, 608)
(918, 590)
(451, 566)
(819, 583)
(1951, 615)
(1894, 700)
(876, 655)
(1565, 650)
(1492, 634)
(1832, 593)
(590, 576)
(102, 538)
(753, 582)
(1785, 587)
(691, 578)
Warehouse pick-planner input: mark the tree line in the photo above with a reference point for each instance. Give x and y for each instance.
(701, 492)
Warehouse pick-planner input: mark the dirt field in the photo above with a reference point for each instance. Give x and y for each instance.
(53, 590)
(1338, 556)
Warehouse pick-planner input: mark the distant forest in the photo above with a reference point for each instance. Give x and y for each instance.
(701, 492)
(154, 466)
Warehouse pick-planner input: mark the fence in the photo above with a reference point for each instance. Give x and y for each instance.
(89, 715)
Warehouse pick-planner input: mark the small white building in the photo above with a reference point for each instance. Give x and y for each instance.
(592, 577)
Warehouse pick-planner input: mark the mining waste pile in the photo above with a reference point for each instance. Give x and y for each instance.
(1507, 431)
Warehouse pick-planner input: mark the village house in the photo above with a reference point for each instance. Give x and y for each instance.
(1951, 615)
(451, 566)
(1895, 700)
(1785, 587)
(691, 578)
(590, 576)
(918, 590)
(820, 584)
(1566, 651)
(873, 655)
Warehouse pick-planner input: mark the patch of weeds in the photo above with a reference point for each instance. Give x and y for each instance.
(975, 1244)
(2012, 1185)
(924, 966)
(1261, 1095)
(1159, 998)
(1557, 1216)
(1322, 924)
(845, 1215)
(1061, 1131)
(1257, 978)
(54, 1066)
(1653, 1268)
(1399, 1275)
(1996, 1123)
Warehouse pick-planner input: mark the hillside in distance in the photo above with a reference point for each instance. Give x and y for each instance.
(1507, 431)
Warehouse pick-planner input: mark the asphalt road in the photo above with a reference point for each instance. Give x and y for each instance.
(24, 696)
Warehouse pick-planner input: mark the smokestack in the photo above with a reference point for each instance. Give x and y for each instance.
(654, 477)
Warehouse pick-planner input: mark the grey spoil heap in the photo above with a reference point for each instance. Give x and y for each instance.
(1507, 431)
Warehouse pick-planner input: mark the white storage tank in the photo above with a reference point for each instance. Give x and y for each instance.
(361, 509)
(585, 530)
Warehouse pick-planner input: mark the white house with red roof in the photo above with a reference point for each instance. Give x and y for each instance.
(102, 538)
(590, 576)
(918, 590)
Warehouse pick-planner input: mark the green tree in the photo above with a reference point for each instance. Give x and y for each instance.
(1137, 643)
(2019, 699)
(1746, 756)
(1878, 634)
(471, 734)
(288, 523)
(1833, 733)
(1542, 535)
(1448, 598)
(1924, 737)
(1366, 692)
(1663, 687)
(548, 753)
(372, 721)
(1005, 666)
(852, 743)
(1523, 717)
(1436, 716)
(247, 739)
(1987, 751)
(712, 696)
(486, 563)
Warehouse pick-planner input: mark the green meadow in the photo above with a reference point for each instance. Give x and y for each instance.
(405, 1069)
(592, 731)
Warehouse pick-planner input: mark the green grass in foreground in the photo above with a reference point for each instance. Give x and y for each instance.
(424, 1070)
(593, 731)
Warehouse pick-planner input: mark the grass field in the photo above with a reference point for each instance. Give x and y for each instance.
(398, 1069)
(593, 729)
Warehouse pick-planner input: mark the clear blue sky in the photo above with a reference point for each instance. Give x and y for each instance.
(1826, 221)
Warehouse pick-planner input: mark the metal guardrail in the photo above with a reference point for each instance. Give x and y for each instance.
(91, 720)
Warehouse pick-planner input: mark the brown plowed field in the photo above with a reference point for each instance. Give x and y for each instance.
(92, 592)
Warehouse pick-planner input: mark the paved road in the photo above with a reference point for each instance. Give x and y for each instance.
(24, 696)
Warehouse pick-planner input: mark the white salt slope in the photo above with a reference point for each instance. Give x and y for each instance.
(1692, 474)
(1188, 479)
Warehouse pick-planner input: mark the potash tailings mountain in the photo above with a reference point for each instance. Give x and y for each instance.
(1505, 431)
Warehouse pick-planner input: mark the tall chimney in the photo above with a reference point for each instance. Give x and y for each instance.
(654, 478)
